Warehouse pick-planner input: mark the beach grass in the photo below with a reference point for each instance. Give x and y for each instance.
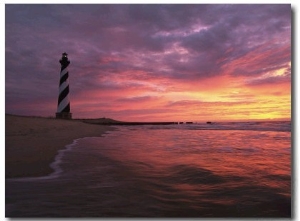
(31, 143)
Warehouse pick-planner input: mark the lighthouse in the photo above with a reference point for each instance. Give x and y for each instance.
(63, 104)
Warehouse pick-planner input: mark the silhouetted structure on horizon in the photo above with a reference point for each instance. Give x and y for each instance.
(63, 104)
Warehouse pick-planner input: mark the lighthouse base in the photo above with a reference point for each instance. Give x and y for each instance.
(64, 115)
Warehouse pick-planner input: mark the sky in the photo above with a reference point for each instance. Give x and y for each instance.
(152, 62)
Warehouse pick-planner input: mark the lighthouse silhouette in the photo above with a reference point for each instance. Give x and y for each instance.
(63, 104)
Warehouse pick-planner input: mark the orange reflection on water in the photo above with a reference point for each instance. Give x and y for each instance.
(195, 161)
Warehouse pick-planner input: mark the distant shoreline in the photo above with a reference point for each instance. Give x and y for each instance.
(109, 121)
(99, 122)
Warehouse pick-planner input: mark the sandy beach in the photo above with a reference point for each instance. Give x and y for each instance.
(31, 143)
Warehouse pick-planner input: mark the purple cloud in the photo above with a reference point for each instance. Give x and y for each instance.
(151, 42)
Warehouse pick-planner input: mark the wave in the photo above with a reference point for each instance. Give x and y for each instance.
(55, 165)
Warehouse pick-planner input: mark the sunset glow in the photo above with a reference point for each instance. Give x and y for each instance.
(151, 62)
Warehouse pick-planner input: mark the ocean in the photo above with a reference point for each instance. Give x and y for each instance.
(240, 169)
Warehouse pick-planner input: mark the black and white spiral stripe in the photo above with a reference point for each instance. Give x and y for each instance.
(63, 98)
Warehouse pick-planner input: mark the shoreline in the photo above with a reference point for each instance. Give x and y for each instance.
(32, 143)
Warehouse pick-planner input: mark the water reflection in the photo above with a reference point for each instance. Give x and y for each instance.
(166, 173)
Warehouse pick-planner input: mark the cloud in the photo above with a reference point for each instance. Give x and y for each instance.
(134, 51)
(135, 99)
(189, 103)
(270, 80)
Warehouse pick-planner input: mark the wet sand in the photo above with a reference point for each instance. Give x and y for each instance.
(31, 143)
